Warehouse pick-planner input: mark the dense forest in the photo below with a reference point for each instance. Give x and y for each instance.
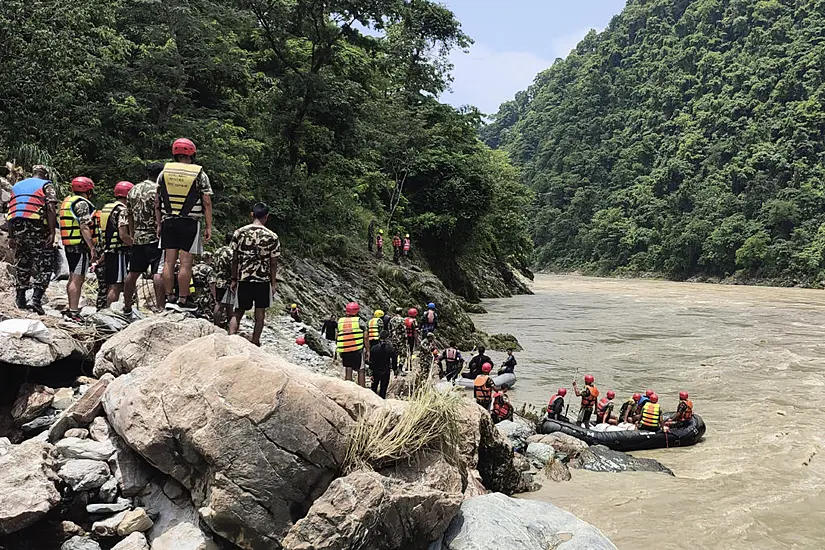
(686, 139)
(326, 110)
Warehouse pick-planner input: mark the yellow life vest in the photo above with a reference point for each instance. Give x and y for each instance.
(179, 195)
(69, 224)
(108, 231)
(375, 328)
(651, 413)
(350, 335)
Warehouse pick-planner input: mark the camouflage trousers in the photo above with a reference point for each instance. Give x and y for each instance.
(33, 264)
(102, 288)
(205, 302)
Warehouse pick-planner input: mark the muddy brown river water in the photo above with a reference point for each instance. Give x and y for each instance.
(753, 360)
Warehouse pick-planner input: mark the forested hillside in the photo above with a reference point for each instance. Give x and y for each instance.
(325, 110)
(687, 138)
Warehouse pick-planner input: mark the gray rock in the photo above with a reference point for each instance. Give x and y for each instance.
(83, 475)
(130, 470)
(100, 429)
(35, 353)
(184, 536)
(72, 447)
(108, 491)
(557, 470)
(108, 527)
(176, 519)
(63, 398)
(82, 411)
(41, 422)
(27, 490)
(135, 541)
(496, 520)
(517, 431)
(6, 446)
(79, 433)
(112, 508)
(599, 458)
(80, 543)
(69, 529)
(561, 442)
(136, 520)
(32, 400)
(147, 342)
(540, 453)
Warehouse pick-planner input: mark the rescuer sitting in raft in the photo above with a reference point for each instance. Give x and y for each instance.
(556, 405)
(650, 418)
(684, 412)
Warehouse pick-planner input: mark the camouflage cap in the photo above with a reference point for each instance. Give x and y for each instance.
(40, 170)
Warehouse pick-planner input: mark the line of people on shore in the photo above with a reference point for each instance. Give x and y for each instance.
(401, 246)
(642, 412)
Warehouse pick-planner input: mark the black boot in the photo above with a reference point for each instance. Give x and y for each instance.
(21, 298)
(37, 301)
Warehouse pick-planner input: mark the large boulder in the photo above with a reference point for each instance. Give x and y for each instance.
(27, 490)
(561, 442)
(147, 342)
(496, 520)
(368, 510)
(251, 436)
(599, 458)
(517, 431)
(49, 345)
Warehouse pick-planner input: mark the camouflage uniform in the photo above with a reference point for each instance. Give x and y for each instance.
(140, 205)
(203, 277)
(33, 264)
(398, 338)
(255, 245)
(425, 355)
(222, 264)
(102, 299)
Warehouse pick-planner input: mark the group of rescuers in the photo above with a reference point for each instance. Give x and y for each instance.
(643, 411)
(153, 228)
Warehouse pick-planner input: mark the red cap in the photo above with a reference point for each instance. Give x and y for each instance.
(654, 398)
(122, 188)
(183, 146)
(588, 379)
(486, 367)
(611, 394)
(649, 393)
(353, 308)
(82, 185)
(412, 312)
(301, 340)
(683, 395)
(562, 392)
(636, 397)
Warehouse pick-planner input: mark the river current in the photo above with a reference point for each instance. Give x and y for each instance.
(753, 360)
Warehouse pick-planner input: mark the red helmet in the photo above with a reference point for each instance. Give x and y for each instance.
(82, 185)
(648, 393)
(412, 312)
(636, 397)
(611, 394)
(122, 188)
(486, 367)
(562, 392)
(654, 398)
(184, 146)
(683, 395)
(353, 308)
(588, 379)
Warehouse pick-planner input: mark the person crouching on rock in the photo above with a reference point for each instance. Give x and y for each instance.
(383, 358)
(502, 408)
(556, 405)
(589, 395)
(483, 387)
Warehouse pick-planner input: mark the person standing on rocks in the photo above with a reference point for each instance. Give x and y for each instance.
(454, 362)
(427, 355)
(184, 197)
(114, 233)
(429, 320)
(143, 230)
(398, 335)
(589, 395)
(406, 246)
(350, 336)
(383, 359)
(379, 245)
(32, 223)
(375, 327)
(222, 264)
(396, 249)
(255, 253)
(411, 326)
(371, 235)
(78, 232)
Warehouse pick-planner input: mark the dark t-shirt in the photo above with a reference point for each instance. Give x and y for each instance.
(509, 365)
(328, 329)
(556, 408)
(476, 363)
(383, 357)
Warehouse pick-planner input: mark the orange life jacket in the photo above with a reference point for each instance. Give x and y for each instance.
(501, 407)
(483, 392)
(553, 400)
(689, 411)
(600, 410)
(406, 245)
(590, 399)
(396, 242)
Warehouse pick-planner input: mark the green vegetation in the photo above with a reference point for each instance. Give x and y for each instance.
(687, 138)
(325, 110)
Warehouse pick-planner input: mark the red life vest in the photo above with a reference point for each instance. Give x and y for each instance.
(406, 245)
(409, 322)
(27, 199)
(600, 410)
(590, 400)
(501, 407)
(483, 393)
(396, 242)
(689, 410)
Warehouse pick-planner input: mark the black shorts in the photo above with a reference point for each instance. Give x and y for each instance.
(145, 257)
(117, 266)
(78, 262)
(220, 292)
(181, 234)
(259, 294)
(352, 359)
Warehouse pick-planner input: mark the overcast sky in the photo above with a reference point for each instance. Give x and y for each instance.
(514, 41)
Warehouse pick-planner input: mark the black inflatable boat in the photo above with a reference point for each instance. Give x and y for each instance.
(632, 440)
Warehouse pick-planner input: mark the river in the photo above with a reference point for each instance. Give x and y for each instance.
(752, 359)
